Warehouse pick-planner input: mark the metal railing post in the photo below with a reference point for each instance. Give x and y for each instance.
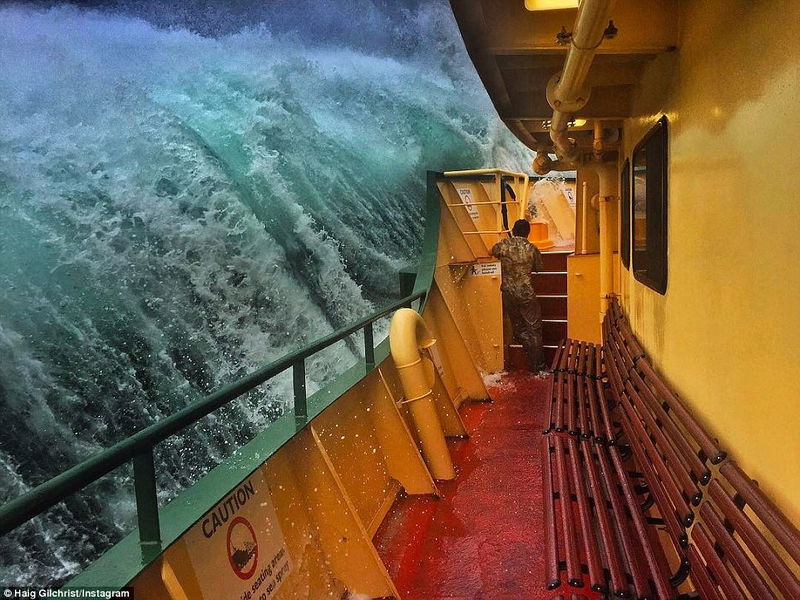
(499, 194)
(300, 407)
(369, 347)
(144, 483)
(407, 280)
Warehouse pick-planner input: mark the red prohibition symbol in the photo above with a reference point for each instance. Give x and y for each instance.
(240, 557)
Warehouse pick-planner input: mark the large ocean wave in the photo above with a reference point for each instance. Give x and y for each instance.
(186, 195)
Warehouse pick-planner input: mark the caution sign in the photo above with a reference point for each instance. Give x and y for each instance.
(466, 198)
(242, 548)
(484, 269)
(237, 548)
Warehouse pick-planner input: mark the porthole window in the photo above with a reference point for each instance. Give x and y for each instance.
(625, 215)
(649, 218)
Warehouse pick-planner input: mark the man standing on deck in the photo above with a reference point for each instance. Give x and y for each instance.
(519, 258)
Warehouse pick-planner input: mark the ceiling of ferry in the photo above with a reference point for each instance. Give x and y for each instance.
(515, 52)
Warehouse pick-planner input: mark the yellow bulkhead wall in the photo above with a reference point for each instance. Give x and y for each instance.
(727, 332)
(583, 296)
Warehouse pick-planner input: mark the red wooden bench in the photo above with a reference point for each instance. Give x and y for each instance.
(640, 500)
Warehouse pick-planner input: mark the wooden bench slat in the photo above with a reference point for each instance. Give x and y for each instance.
(655, 557)
(679, 504)
(563, 379)
(602, 404)
(629, 340)
(701, 578)
(780, 574)
(557, 356)
(622, 523)
(680, 495)
(710, 448)
(592, 400)
(675, 436)
(571, 356)
(733, 553)
(607, 533)
(567, 523)
(585, 428)
(671, 522)
(582, 424)
(575, 360)
(784, 531)
(590, 546)
(725, 579)
(666, 449)
(551, 544)
(626, 357)
(555, 383)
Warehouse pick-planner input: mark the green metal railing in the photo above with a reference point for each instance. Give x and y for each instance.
(139, 447)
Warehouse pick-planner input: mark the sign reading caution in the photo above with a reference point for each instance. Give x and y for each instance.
(237, 549)
(469, 203)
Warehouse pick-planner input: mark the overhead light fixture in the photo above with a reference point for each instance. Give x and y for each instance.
(535, 5)
(578, 123)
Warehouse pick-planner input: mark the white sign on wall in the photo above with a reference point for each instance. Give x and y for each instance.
(237, 548)
(484, 269)
(466, 197)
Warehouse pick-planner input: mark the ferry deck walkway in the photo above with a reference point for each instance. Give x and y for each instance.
(484, 539)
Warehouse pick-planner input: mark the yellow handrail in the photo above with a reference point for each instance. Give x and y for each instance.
(523, 204)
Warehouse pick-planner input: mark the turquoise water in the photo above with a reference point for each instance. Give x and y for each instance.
(185, 196)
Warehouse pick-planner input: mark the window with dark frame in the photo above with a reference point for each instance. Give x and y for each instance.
(625, 215)
(649, 214)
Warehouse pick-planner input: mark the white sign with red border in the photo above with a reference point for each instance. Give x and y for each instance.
(237, 548)
(466, 198)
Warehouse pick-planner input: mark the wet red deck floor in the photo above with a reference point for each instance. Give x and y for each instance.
(484, 539)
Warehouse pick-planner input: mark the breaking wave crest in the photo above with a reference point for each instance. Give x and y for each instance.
(179, 206)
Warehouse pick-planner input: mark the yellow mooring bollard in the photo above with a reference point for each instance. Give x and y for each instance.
(407, 335)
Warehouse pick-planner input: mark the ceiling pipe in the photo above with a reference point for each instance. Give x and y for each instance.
(543, 164)
(597, 142)
(607, 175)
(567, 91)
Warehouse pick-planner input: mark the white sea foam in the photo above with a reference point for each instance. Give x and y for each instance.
(178, 209)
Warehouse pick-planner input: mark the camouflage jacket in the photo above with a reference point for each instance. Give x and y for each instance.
(518, 258)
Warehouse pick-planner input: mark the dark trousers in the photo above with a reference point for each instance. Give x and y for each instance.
(526, 320)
